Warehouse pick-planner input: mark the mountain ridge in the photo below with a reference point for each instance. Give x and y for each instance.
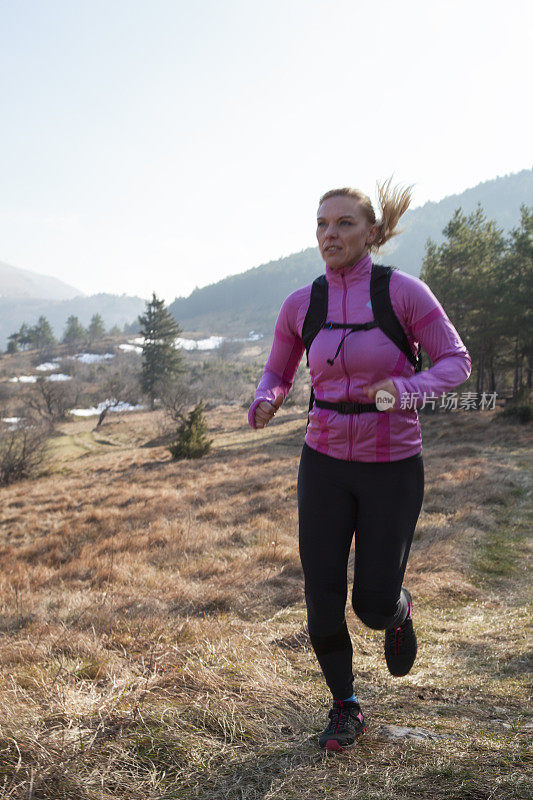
(17, 283)
(114, 309)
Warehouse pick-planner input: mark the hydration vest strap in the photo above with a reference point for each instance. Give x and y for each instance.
(384, 313)
(354, 326)
(316, 313)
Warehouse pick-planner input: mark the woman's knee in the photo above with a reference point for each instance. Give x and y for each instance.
(374, 611)
(325, 610)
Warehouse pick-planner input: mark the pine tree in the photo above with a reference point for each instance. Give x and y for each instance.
(12, 343)
(161, 361)
(516, 294)
(42, 335)
(192, 441)
(74, 333)
(23, 336)
(464, 273)
(96, 329)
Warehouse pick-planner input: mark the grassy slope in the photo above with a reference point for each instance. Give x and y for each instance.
(152, 626)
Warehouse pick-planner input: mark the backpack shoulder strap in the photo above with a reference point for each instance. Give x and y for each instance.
(384, 313)
(316, 313)
(314, 320)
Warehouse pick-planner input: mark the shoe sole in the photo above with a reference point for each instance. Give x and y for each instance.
(401, 674)
(332, 745)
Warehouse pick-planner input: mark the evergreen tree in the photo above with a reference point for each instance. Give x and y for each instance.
(96, 329)
(131, 327)
(42, 335)
(115, 331)
(23, 336)
(192, 441)
(74, 333)
(464, 273)
(12, 343)
(161, 362)
(516, 294)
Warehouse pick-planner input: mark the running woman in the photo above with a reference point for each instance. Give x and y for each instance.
(361, 469)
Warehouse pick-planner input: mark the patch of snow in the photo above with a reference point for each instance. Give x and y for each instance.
(187, 344)
(58, 376)
(93, 358)
(13, 422)
(48, 366)
(130, 348)
(84, 412)
(199, 344)
(94, 410)
(211, 343)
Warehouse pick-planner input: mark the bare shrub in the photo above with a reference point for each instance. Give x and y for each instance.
(22, 452)
(223, 382)
(176, 398)
(120, 385)
(50, 401)
(229, 349)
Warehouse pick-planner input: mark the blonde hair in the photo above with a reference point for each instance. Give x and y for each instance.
(392, 204)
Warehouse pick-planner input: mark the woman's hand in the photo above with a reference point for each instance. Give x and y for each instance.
(386, 385)
(265, 411)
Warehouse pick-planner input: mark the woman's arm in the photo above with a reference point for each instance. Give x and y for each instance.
(285, 355)
(427, 323)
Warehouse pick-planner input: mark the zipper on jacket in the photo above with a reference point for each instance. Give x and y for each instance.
(350, 416)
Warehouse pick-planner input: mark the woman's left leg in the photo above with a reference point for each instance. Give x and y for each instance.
(389, 500)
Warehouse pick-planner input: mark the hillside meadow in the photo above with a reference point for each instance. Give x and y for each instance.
(152, 623)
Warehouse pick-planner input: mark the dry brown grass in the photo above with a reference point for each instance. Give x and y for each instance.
(152, 623)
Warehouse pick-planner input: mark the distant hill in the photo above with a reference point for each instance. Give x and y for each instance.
(18, 284)
(249, 301)
(114, 310)
(252, 299)
(500, 199)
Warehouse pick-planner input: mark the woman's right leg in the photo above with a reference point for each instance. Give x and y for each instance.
(327, 511)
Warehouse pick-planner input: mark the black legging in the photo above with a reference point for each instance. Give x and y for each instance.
(380, 502)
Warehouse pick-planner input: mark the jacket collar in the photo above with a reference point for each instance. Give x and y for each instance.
(358, 271)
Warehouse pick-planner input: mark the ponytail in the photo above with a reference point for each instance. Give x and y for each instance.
(392, 203)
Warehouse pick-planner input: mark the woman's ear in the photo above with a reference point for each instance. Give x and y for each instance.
(372, 234)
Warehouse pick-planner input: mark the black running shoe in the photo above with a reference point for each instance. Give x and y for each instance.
(346, 724)
(400, 644)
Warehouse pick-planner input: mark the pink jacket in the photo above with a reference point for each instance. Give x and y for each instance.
(366, 357)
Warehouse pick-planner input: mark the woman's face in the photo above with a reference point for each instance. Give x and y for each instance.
(343, 232)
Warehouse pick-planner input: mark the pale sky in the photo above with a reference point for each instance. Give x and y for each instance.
(158, 145)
